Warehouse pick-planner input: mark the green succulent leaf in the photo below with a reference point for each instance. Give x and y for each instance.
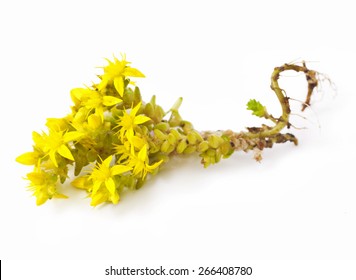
(256, 107)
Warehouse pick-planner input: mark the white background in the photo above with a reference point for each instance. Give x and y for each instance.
(297, 204)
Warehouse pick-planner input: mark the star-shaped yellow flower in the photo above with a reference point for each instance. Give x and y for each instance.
(103, 183)
(116, 72)
(56, 142)
(140, 163)
(34, 158)
(43, 186)
(129, 121)
(93, 100)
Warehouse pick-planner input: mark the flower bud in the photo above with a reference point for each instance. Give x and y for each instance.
(187, 126)
(91, 155)
(158, 114)
(137, 95)
(175, 119)
(148, 111)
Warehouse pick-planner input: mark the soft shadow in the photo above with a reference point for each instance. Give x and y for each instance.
(173, 175)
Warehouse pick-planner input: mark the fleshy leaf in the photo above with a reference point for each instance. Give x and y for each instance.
(256, 107)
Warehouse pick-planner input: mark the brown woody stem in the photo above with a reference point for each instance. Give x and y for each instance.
(283, 99)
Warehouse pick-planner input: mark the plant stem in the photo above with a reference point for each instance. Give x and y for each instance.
(259, 138)
(283, 120)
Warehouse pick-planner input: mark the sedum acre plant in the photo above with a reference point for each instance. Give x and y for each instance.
(121, 140)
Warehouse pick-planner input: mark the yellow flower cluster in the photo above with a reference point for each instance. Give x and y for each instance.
(121, 140)
(107, 130)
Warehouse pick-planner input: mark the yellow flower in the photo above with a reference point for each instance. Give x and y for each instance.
(140, 163)
(93, 100)
(129, 121)
(103, 182)
(88, 124)
(125, 150)
(56, 142)
(116, 72)
(43, 185)
(34, 158)
(122, 151)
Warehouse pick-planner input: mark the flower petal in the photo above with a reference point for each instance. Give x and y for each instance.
(141, 119)
(119, 169)
(81, 183)
(119, 85)
(97, 198)
(137, 142)
(64, 151)
(52, 156)
(142, 154)
(100, 112)
(133, 72)
(103, 83)
(60, 195)
(110, 185)
(76, 94)
(56, 124)
(135, 109)
(96, 187)
(38, 139)
(36, 178)
(129, 133)
(154, 166)
(72, 136)
(30, 158)
(107, 161)
(41, 198)
(115, 198)
(111, 100)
